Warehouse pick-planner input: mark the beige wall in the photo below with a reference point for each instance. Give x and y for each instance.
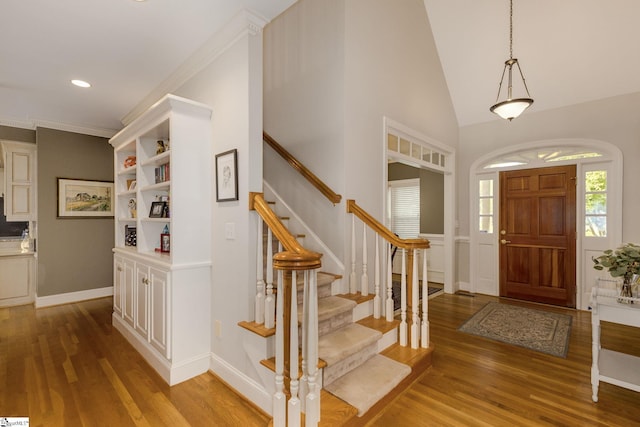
(73, 254)
(17, 134)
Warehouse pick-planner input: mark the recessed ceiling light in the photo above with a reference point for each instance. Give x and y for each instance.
(81, 83)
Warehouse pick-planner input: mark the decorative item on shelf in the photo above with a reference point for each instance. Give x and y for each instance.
(129, 162)
(131, 184)
(130, 237)
(165, 240)
(158, 210)
(161, 146)
(133, 211)
(623, 262)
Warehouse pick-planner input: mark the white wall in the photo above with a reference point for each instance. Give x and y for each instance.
(232, 86)
(333, 70)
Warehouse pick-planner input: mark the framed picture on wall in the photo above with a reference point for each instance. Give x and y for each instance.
(227, 176)
(84, 199)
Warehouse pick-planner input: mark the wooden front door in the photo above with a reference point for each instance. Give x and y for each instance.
(538, 235)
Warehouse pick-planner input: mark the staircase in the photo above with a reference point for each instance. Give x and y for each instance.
(337, 361)
(362, 364)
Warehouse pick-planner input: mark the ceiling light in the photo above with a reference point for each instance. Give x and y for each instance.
(80, 83)
(511, 107)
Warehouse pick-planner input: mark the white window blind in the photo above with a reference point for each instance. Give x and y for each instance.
(404, 207)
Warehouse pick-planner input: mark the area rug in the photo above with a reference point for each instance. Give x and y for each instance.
(395, 286)
(537, 330)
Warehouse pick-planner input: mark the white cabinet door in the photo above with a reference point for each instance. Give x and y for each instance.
(15, 279)
(141, 324)
(128, 293)
(20, 178)
(159, 291)
(118, 283)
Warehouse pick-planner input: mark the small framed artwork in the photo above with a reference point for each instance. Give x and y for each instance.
(165, 243)
(227, 176)
(130, 238)
(84, 199)
(158, 210)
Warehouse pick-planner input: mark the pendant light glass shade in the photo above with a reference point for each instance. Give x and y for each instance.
(511, 107)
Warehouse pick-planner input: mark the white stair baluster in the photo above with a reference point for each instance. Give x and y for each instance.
(376, 280)
(353, 285)
(415, 298)
(425, 302)
(403, 301)
(279, 398)
(293, 409)
(269, 302)
(304, 389)
(312, 407)
(364, 280)
(389, 312)
(260, 299)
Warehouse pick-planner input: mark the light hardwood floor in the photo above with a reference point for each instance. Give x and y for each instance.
(67, 366)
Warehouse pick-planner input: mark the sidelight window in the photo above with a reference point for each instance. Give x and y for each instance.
(595, 203)
(485, 208)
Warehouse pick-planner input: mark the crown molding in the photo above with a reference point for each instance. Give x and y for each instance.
(67, 127)
(242, 24)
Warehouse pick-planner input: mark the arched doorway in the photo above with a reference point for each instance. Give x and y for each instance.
(598, 207)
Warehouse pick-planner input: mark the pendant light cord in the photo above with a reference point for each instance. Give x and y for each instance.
(510, 29)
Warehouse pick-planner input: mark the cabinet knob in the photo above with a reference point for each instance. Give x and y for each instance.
(119, 268)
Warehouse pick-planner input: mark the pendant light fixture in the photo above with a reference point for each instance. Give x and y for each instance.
(511, 107)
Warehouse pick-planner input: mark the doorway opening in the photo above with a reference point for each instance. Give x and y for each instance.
(409, 155)
(598, 206)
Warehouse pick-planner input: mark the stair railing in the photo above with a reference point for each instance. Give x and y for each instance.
(418, 332)
(291, 261)
(302, 169)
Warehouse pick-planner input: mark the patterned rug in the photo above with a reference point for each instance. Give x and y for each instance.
(396, 293)
(537, 330)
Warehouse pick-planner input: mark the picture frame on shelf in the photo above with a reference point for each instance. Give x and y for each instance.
(227, 176)
(165, 243)
(158, 210)
(130, 236)
(79, 198)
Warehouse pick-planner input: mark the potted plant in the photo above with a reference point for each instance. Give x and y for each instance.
(622, 262)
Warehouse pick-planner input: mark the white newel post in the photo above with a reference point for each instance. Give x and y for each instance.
(279, 398)
(364, 280)
(353, 285)
(269, 302)
(415, 298)
(294, 402)
(389, 306)
(425, 302)
(403, 301)
(260, 300)
(376, 280)
(312, 406)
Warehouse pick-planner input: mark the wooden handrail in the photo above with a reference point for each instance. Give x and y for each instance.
(294, 256)
(352, 207)
(303, 170)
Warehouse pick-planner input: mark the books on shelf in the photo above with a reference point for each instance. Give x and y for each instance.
(162, 173)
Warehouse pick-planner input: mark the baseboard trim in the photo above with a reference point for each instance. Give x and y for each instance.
(172, 373)
(244, 385)
(70, 297)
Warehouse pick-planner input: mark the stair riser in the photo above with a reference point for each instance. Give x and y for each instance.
(335, 371)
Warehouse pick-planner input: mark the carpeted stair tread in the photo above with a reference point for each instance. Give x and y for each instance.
(370, 382)
(346, 341)
(330, 307)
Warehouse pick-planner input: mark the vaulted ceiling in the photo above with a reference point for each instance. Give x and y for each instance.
(571, 51)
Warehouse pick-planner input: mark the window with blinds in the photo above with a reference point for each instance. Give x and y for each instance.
(404, 208)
